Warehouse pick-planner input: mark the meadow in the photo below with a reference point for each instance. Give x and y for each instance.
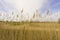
(29, 31)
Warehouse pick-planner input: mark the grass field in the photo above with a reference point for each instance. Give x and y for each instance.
(29, 31)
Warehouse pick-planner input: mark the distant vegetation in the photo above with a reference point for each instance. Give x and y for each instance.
(59, 21)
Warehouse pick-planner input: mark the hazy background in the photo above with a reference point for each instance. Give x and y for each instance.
(29, 6)
(42, 5)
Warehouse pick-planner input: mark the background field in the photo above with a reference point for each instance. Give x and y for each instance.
(29, 31)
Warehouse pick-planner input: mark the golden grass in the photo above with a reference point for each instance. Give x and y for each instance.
(29, 31)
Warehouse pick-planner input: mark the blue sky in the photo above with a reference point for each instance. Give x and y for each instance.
(52, 5)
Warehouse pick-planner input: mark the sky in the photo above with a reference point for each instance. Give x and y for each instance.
(52, 5)
(27, 5)
(30, 5)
